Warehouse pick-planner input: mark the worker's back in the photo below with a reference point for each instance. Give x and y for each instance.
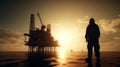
(92, 32)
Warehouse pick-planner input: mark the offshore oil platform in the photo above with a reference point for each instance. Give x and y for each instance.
(39, 39)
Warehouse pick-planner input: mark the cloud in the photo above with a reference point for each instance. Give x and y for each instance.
(10, 40)
(83, 20)
(110, 33)
(110, 26)
(119, 15)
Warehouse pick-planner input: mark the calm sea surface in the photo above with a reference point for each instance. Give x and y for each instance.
(57, 59)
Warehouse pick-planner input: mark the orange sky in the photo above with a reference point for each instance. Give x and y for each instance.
(68, 19)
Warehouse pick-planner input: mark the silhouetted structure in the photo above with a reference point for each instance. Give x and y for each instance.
(41, 59)
(92, 37)
(40, 40)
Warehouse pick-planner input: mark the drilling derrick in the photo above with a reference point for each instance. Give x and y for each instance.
(32, 22)
(40, 39)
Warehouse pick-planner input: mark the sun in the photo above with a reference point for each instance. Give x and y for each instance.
(64, 38)
(70, 38)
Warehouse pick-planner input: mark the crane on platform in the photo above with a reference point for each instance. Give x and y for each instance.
(40, 18)
(43, 26)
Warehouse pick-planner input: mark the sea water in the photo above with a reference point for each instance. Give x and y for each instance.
(57, 59)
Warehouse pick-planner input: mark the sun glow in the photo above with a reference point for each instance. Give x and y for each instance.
(68, 39)
(63, 38)
(70, 36)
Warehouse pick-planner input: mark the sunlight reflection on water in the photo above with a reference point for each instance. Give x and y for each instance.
(62, 58)
(62, 54)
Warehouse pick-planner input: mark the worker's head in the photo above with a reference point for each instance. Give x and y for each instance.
(92, 21)
(43, 27)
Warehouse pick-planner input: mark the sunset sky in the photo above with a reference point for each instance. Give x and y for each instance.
(68, 18)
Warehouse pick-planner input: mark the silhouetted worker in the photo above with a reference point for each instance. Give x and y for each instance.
(92, 37)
